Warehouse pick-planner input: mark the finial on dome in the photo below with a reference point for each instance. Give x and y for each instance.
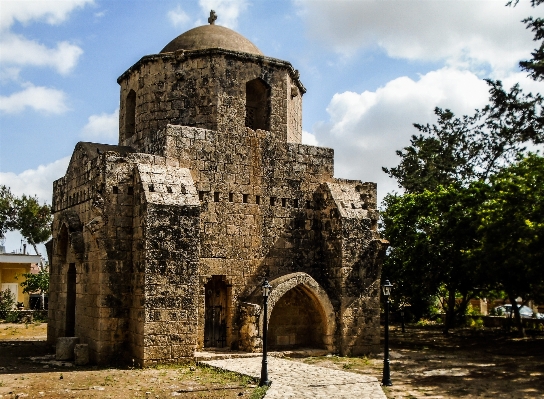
(212, 18)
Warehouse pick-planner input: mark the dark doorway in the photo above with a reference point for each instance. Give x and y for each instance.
(296, 322)
(257, 104)
(70, 301)
(215, 323)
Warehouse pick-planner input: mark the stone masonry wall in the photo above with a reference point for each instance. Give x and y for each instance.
(207, 89)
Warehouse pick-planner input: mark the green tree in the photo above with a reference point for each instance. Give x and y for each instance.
(7, 210)
(33, 220)
(431, 234)
(511, 231)
(36, 283)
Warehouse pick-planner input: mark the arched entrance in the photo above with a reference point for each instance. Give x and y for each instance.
(300, 314)
(296, 321)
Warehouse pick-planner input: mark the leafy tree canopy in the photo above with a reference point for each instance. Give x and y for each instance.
(511, 229)
(36, 282)
(26, 215)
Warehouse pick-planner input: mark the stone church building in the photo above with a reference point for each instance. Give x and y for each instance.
(160, 243)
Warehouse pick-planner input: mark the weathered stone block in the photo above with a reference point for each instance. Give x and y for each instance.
(64, 349)
(81, 354)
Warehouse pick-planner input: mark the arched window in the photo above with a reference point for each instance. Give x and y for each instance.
(130, 114)
(257, 104)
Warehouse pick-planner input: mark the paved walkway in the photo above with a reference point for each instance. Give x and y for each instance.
(292, 379)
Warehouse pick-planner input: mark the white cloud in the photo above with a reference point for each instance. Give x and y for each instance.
(39, 98)
(227, 10)
(471, 34)
(308, 138)
(17, 50)
(37, 181)
(103, 128)
(178, 17)
(25, 11)
(365, 129)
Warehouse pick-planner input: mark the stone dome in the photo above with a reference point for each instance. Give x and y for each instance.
(211, 36)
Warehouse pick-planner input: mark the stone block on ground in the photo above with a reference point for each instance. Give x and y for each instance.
(81, 354)
(65, 347)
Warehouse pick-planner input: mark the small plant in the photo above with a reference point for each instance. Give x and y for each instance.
(12, 316)
(108, 380)
(7, 301)
(475, 322)
(347, 366)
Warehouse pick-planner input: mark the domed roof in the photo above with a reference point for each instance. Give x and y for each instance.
(211, 36)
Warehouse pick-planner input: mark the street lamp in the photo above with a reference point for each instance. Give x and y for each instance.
(264, 368)
(386, 380)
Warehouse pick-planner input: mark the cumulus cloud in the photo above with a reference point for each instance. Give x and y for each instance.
(178, 17)
(470, 34)
(103, 128)
(17, 50)
(227, 11)
(365, 129)
(51, 12)
(37, 181)
(39, 98)
(308, 138)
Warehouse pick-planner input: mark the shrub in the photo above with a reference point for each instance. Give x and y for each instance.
(7, 300)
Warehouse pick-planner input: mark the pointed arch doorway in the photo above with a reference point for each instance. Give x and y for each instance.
(296, 322)
(300, 314)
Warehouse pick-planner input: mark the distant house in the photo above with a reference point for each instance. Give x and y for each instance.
(12, 266)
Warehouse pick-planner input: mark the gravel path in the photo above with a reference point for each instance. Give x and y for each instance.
(298, 380)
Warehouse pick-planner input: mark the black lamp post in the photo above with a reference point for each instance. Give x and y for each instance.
(264, 368)
(386, 380)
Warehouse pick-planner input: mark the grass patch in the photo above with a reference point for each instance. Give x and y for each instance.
(259, 392)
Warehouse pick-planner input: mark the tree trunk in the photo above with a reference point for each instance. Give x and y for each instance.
(517, 316)
(450, 311)
(36, 250)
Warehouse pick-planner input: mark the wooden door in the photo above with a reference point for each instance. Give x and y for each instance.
(215, 326)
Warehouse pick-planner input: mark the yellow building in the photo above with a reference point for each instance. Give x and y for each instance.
(12, 266)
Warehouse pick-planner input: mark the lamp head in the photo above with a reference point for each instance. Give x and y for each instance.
(386, 287)
(266, 287)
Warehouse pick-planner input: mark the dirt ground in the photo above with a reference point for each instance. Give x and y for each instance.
(467, 363)
(425, 363)
(28, 370)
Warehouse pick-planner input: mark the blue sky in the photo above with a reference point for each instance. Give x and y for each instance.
(371, 68)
